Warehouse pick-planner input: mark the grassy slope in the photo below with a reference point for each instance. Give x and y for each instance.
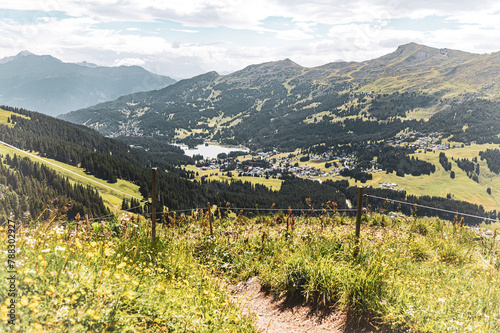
(423, 275)
(274, 184)
(111, 197)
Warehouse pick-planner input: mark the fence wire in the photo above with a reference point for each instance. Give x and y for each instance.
(431, 208)
(303, 210)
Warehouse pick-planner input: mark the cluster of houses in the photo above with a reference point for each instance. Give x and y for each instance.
(420, 141)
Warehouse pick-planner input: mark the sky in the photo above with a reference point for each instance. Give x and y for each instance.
(184, 38)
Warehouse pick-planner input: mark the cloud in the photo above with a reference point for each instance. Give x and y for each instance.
(191, 37)
(185, 30)
(129, 62)
(294, 34)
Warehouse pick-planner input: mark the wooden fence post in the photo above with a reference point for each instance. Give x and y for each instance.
(210, 219)
(87, 221)
(358, 221)
(153, 205)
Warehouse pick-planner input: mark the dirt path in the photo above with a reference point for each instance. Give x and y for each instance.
(277, 316)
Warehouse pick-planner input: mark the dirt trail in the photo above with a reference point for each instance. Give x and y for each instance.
(279, 317)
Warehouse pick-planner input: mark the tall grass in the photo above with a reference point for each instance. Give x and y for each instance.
(422, 275)
(413, 274)
(112, 279)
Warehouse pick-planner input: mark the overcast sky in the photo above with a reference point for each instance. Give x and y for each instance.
(182, 38)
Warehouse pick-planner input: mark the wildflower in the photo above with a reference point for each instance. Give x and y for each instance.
(4, 311)
(60, 248)
(43, 263)
(24, 300)
(33, 305)
(28, 280)
(126, 277)
(93, 244)
(30, 241)
(108, 252)
(117, 276)
(78, 243)
(46, 250)
(59, 230)
(90, 312)
(120, 266)
(129, 294)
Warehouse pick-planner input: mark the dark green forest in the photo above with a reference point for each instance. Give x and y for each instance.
(27, 188)
(111, 159)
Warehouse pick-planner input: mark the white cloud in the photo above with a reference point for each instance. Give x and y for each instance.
(185, 30)
(294, 34)
(129, 62)
(316, 32)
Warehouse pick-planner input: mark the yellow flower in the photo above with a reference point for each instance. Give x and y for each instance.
(38, 327)
(7, 301)
(90, 312)
(107, 252)
(117, 276)
(126, 277)
(93, 244)
(33, 305)
(78, 244)
(43, 263)
(24, 300)
(52, 289)
(4, 313)
(129, 294)
(120, 266)
(27, 280)
(135, 283)
(54, 274)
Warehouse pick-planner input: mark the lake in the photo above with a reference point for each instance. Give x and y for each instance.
(209, 151)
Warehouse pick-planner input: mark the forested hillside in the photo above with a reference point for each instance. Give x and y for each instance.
(282, 105)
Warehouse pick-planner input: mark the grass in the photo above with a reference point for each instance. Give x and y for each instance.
(113, 279)
(440, 183)
(5, 115)
(271, 183)
(111, 193)
(420, 275)
(413, 274)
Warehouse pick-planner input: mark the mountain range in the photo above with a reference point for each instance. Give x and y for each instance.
(48, 85)
(282, 104)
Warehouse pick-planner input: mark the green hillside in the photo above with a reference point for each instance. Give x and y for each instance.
(286, 106)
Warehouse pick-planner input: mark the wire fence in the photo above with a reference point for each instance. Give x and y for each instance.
(301, 210)
(432, 208)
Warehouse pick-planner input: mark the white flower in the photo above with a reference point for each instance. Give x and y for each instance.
(46, 250)
(60, 248)
(59, 230)
(31, 241)
(442, 300)
(30, 271)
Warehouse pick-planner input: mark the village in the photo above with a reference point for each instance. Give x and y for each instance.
(317, 167)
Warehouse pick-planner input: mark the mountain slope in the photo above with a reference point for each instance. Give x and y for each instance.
(51, 86)
(283, 105)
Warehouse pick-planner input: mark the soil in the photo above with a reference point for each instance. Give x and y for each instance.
(280, 316)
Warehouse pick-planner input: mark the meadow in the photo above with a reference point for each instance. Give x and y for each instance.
(410, 273)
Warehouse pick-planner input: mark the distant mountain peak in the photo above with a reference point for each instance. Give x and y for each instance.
(24, 53)
(17, 56)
